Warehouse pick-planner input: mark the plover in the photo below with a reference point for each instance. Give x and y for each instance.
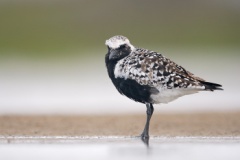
(148, 77)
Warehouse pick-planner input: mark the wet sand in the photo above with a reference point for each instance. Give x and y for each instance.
(173, 137)
(168, 125)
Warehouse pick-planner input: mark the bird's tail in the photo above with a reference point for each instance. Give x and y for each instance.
(209, 86)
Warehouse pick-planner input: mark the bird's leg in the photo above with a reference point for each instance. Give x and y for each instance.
(145, 134)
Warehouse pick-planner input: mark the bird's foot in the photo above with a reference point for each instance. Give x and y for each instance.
(145, 138)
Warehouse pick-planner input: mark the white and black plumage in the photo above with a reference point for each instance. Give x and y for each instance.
(148, 77)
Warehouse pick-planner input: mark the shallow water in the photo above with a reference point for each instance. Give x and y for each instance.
(114, 147)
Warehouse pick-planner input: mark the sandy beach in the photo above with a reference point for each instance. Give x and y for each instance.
(173, 136)
(208, 124)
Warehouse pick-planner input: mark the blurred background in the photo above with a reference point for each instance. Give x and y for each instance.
(52, 52)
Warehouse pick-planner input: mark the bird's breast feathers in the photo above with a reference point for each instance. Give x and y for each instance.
(152, 69)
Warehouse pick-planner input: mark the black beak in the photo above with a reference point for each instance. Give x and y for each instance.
(113, 54)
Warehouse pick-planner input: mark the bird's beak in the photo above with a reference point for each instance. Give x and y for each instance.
(113, 54)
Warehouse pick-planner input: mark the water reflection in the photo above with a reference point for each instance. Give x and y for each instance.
(75, 148)
(145, 140)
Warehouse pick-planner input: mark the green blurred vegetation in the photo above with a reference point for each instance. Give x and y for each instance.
(50, 28)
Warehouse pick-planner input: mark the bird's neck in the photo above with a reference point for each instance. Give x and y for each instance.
(110, 64)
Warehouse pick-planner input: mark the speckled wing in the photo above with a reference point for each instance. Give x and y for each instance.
(153, 69)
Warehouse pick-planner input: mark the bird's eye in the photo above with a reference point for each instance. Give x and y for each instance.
(122, 46)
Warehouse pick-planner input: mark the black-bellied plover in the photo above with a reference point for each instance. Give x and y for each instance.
(149, 77)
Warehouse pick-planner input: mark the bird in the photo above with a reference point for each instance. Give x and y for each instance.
(149, 77)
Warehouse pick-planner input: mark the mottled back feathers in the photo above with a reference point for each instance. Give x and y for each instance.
(153, 69)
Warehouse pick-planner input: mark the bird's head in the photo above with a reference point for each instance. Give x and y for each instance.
(119, 47)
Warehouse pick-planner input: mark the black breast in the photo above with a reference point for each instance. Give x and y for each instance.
(128, 87)
(133, 90)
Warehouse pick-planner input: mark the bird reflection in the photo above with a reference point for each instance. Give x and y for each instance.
(145, 140)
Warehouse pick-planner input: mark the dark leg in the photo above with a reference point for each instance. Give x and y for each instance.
(145, 134)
